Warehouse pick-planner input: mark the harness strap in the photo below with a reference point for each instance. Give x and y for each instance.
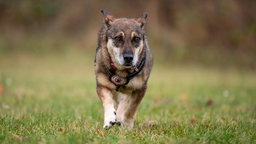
(122, 81)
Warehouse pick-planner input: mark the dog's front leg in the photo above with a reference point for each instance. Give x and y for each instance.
(106, 97)
(131, 104)
(123, 104)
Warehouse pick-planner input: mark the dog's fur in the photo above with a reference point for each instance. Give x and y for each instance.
(122, 42)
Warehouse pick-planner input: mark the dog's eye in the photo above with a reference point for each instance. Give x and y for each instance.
(119, 38)
(136, 39)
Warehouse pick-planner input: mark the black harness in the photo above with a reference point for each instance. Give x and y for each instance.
(119, 81)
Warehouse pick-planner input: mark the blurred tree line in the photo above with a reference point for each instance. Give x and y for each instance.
(177, 27)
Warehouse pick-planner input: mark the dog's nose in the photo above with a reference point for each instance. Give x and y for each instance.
(128, 57)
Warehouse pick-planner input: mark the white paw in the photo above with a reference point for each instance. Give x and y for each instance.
(109, 120)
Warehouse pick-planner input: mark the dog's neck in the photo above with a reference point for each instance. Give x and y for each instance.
(122, 77)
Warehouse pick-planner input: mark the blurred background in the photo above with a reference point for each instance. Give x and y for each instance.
(210, 33)
(202, 86)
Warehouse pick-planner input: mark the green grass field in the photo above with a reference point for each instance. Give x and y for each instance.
(51, 98)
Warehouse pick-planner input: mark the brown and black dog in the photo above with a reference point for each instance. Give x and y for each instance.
(123, 63)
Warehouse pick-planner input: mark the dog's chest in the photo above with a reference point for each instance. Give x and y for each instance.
(134, 84)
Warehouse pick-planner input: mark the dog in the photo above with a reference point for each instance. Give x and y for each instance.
(123, 63)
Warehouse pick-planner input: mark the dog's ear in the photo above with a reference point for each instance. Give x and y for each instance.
(108, 18)
(142, 20)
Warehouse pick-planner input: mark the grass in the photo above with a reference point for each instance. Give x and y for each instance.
(51, 98)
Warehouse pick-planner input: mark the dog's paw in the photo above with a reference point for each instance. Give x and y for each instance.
(118, 123)
(108, 125)
(110, 120)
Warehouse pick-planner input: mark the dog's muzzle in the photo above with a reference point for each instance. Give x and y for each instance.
(128, 58)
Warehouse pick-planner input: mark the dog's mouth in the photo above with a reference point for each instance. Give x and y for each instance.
(128, 64)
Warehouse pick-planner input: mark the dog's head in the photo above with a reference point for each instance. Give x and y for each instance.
(125, 38)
